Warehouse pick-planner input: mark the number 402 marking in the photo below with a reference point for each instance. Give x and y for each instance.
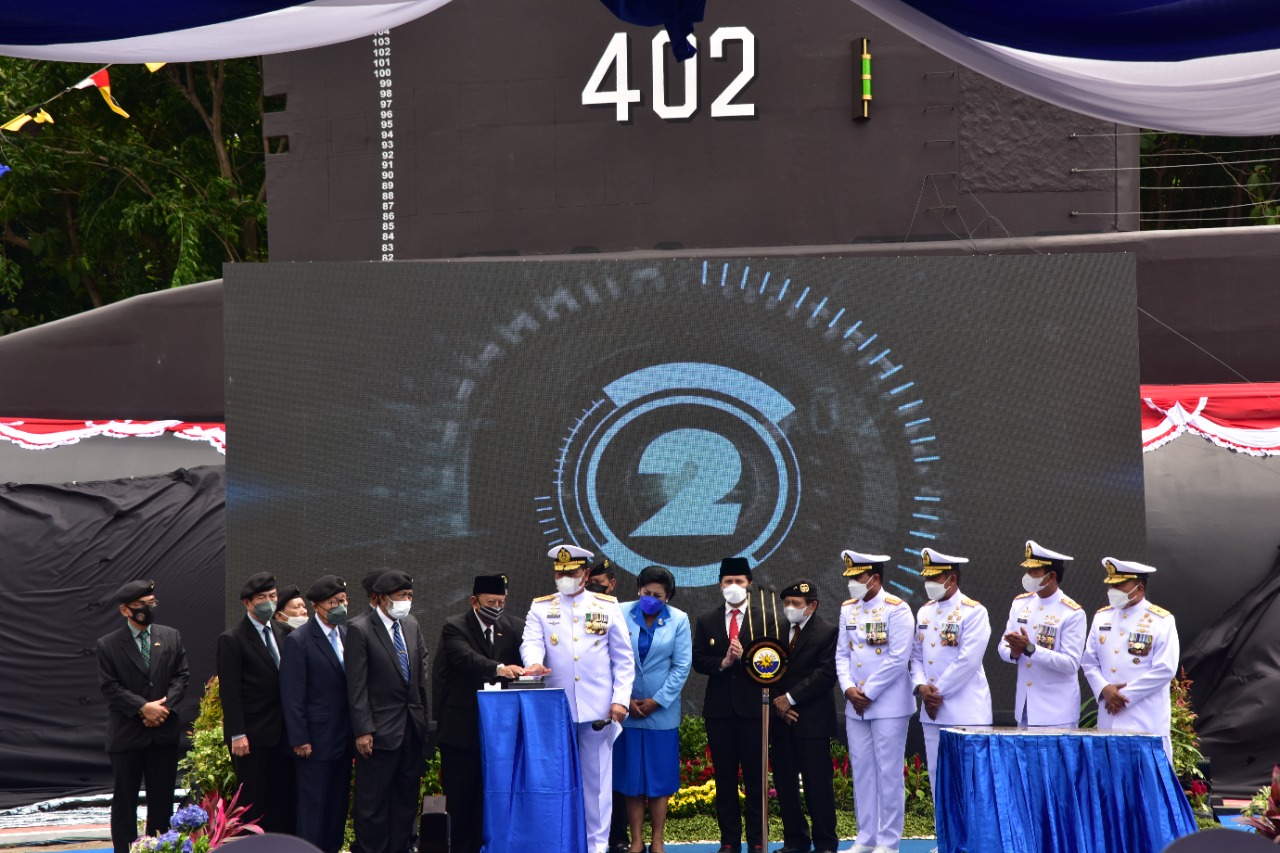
(617, 57)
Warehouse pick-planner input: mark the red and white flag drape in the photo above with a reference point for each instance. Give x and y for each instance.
(43, 434)
(1244, 417)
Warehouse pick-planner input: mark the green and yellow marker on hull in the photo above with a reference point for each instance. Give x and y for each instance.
(862, 105)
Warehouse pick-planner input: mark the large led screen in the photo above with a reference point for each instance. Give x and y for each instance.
(460, 418)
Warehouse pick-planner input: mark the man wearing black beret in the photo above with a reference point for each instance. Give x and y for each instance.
(804, 723)
(386, 661)
(477, 647)
(313, 689)
(291, 608)
(142, 671)
(248, 662)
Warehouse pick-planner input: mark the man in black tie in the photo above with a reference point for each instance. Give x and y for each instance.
(386, 662)
(252, 716)
(731, 706)
(317, 721)
(804, 723)
(478, 647)
(142, 671)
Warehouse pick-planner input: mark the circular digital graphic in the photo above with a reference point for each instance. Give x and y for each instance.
(804, 427)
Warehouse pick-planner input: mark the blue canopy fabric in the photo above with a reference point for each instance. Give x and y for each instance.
(678, 16)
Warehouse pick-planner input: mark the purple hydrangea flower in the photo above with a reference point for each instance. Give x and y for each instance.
(189, 818)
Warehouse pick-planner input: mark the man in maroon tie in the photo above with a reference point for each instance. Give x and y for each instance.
(731, 706)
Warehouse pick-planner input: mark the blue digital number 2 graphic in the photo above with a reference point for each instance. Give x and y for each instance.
(700, 468)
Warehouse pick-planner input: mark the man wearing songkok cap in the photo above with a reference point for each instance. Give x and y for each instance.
(248, 664)
(386, 662)
(291, 607)
(804, 724)
(579, 641)
(477, 647)
(731, 704)
(317, 721)
(1132, 654)
(1044, 639)
(142, 672)
(952, 632)
(873, 653)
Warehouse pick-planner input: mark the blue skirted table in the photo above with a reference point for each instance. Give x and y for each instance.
(1059, 790)
(532, 779)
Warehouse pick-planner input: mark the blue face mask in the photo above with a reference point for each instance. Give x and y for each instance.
(650, 605)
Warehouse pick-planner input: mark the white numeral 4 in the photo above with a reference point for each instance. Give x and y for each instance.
(615, 56)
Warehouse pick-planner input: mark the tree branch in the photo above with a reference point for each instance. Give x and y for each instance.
(13, 239)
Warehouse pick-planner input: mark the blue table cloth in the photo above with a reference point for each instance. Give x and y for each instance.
(1058, 790)
(532, 779)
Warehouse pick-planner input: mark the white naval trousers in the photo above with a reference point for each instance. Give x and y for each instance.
(876, 751)
(595, 755)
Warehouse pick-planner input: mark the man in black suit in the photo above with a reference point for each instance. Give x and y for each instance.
(248, 662)
(386, 661)
(731, 706)
(142, 671)
(478, 647)
(804, 724)
(317, 719)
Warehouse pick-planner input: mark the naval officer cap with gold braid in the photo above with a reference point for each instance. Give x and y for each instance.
(936, 562)
(1119, 571)
(856, 563)
(1036, 556)
(569, 558)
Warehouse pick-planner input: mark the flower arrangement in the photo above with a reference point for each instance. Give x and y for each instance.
(1267, 823)
(696, 770)
(199, 829)
(206, 768)
(915, 776)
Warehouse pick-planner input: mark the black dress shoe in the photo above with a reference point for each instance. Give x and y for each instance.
(804, 849)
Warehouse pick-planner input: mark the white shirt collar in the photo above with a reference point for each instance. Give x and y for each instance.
(483, 627)
(387, 621)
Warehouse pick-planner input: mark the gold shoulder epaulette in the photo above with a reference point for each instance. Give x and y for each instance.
(544, 598)
(603, 597)
(1104, 609)
(1159, 611)
(1070, 603)
(850, 601)
(970, 602)
(1024, 595)
(893, 600)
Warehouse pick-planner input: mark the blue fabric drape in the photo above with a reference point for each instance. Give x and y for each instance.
(532, 779)
(678, 16)
(1057, 793)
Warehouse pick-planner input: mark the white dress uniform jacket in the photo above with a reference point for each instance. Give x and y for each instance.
(1048, 686)
(951, 638)
(583, 640)
(1138, 647)
(873, 653)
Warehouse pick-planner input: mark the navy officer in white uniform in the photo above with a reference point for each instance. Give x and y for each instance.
(1044, 639)
(578, 640)
(1132, 655)
(952, 632)
(873, 653)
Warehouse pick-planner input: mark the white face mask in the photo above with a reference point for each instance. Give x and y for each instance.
(857, 590)
(934, 590)
(734, 594)
(1118, 598)
(398, 609)
(1031, 584)
(795, 615)
(568, 586)
(296, 621)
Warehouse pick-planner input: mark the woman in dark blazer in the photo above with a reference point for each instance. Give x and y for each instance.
(646, 757)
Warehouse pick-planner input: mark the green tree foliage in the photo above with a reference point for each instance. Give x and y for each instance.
(1209, 181)
(98, 207)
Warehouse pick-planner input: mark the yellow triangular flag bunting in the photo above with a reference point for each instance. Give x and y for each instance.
(15, 123)
(153, 67)
(103, 81)
(43, 117)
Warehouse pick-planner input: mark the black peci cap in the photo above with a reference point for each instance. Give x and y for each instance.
(735, 566)
(489, 585)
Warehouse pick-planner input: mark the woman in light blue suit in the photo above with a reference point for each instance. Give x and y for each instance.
(646, 758)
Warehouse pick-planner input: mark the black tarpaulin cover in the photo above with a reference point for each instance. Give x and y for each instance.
(64, 550)
(1235, 664)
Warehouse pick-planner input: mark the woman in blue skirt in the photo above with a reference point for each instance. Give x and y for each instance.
(646, 758)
